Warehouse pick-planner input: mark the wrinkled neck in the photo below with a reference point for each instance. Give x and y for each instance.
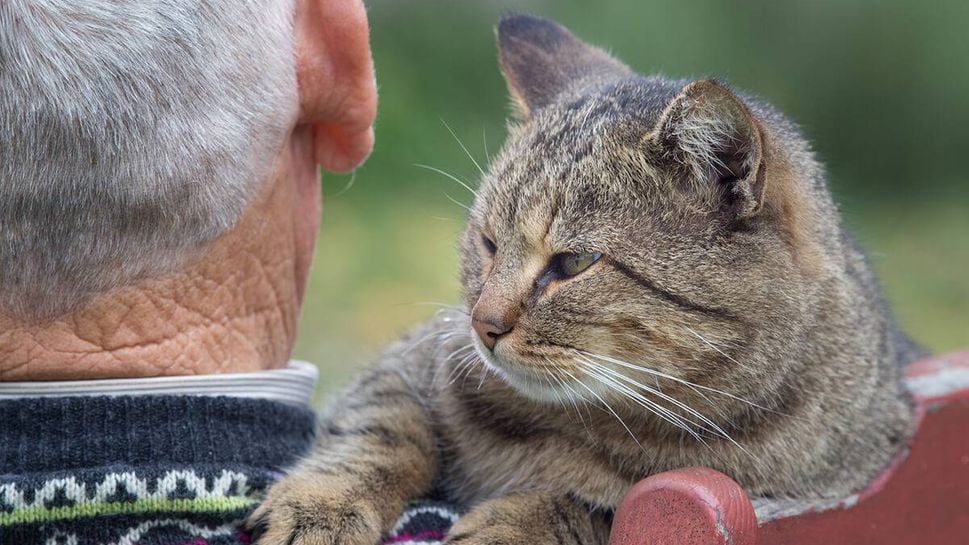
(232, 308)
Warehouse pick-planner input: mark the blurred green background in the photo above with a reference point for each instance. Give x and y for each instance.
(879, 86)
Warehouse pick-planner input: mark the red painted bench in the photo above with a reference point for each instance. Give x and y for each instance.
(921, 499)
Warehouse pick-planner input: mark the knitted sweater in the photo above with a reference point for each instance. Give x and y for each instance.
(154, 470)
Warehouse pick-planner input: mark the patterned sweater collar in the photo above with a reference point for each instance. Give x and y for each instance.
(153, 469)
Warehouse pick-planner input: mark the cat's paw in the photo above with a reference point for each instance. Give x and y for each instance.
(480, 527)
(312, 509)
(530, 518)
(498, 535)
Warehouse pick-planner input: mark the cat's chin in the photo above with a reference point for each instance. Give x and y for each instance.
(527, 382)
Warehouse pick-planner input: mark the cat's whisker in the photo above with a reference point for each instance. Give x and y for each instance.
(485, 371)
(644, 404)
(460, 333)
(548, 379)
(457, 202)
(708, 425)
(711, 345)
(456, 320)
(468, 370)
(657, 375)
(573, 395)
(418, 342)
(457, 180)
(470, 357)
(464, 368)
(442, 337)
(569, 394)
(484, 140)
(616, 377)
(674, 379)
(651, 406)
(653, 391)
(450, 333)
(443, 362)
(461, 350)
(463, 147)
(459, 369)
(614, 413)
(438, 369)
(446, 219)
(693, 387)
(445, 307)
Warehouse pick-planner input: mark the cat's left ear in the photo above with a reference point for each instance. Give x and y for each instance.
(540, 59)
(710, 131)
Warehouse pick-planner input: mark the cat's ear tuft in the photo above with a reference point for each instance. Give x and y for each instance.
(541, 58)
(710, 131)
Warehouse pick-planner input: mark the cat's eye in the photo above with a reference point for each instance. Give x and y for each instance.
(572, 264)
(489, 244)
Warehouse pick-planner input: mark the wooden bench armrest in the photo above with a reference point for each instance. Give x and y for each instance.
(921, 498)
(692, 506)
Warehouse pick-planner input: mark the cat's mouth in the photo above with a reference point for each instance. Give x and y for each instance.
(548, 380)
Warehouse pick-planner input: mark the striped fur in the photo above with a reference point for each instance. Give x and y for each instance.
(730, 323)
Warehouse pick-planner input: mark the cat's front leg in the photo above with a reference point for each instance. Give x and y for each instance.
(531, 518)
(376, 450)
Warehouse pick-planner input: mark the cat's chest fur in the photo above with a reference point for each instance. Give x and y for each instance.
(491, 451)
(495, 442)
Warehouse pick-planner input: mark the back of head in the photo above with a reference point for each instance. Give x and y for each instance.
(131, 133)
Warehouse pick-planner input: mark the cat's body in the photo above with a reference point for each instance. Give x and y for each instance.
(655, 277)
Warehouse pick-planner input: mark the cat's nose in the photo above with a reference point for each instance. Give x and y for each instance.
(489, 330)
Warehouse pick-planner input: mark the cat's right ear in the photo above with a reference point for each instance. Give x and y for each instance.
(541, 58)
(711, 131)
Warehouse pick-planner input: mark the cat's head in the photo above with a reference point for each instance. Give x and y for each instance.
(635, 229)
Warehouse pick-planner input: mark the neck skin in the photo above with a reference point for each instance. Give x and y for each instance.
(232, 308)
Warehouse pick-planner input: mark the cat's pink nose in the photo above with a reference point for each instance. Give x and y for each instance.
(489, 330)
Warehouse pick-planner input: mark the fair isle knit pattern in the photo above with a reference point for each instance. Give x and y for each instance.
(422, 523)
(124, 493)
(152, 470)
(156, 470)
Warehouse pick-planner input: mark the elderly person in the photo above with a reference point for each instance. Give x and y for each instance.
(159, 204)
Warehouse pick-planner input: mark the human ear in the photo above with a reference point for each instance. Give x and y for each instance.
(337, 92)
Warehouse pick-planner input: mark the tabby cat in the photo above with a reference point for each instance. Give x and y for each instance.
(655, 276)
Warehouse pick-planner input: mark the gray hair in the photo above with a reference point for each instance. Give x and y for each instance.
(131, 133)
